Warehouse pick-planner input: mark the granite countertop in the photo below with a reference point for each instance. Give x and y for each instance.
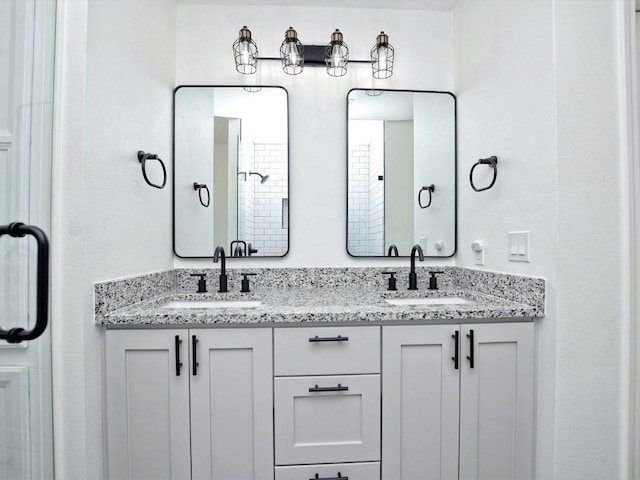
(319, 304)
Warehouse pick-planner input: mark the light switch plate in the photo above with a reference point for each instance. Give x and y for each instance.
(519, 247)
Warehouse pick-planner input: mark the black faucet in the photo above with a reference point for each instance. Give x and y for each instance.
(219, 253)
(413, 278)
(392, 249)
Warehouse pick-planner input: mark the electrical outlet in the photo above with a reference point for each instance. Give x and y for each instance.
(519, 248)
(478, 252)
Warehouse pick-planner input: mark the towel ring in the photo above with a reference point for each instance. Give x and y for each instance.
(200, 187)
(493, 163)
(430, 189)
(142, 158)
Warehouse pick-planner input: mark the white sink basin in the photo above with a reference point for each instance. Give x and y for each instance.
(213, 304)
(429, 301)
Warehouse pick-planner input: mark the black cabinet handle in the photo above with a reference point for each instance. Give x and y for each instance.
(471, 344)
(339, 388)
(339, 338)
(339, 477)
(178, 362)
(19, 334)
(194, 354)
(456, 338)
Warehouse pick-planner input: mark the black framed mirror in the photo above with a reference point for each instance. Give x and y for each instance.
(401, 172)
(231, 171)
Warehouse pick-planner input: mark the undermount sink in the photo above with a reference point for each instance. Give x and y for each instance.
(213, 304)
(429, 301)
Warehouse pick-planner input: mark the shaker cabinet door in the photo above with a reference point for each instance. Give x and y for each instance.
(231, 404)
(420, 397)
(147, 405)
(496, 402)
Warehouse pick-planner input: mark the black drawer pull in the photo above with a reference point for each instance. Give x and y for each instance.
(456, 349)
(471, 345)
(339, 477)
(194, 342)
(178, 362)
(339, 338)
(339, 388)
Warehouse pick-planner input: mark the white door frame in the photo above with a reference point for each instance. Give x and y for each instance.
(630, 127)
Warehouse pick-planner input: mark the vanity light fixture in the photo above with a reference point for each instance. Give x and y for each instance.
(337, 55)
(294, 55)
(245, 52)
(382, 55)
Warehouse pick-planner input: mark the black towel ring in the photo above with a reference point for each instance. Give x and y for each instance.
(199, 187)
(142, 158)
(493, 163)
(430, 189)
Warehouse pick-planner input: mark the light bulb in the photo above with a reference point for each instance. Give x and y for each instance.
(245, 53)
(292, 53)
(383, 57)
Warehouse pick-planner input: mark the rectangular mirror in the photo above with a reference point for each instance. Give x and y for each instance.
(401, 172)
(231, 171)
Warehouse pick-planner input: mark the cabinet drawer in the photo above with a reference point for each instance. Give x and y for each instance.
(354, 471)
(327, 419)
(326, 351)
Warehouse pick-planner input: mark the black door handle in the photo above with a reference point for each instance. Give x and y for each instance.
(471, 345)
(17, 334)
(194, 354)
(178, 362)
(339, 388)
(456, 339)
(339, 338)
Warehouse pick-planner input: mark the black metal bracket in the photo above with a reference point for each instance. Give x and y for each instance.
(428, 188)
(17, 334)
(493, 163)
(142, 158)
(200, 187)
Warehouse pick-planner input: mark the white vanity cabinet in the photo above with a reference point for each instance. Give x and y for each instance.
(473, 422)
(189, 404)
(327, 402)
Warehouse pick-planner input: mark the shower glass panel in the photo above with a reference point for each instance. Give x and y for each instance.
(27, 33)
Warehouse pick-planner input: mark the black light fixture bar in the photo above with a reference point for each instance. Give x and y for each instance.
(313, 55)
(295, 55)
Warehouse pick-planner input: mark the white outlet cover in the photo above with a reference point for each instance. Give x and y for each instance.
(478, 252)
(518, 247)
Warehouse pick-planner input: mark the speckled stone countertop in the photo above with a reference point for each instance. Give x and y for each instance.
(296, 296)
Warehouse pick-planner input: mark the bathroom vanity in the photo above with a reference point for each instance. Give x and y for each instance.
(320, 373)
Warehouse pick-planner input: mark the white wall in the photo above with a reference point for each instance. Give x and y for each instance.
(591, 420)
(536, 82)
(317, 102)
(115, 79)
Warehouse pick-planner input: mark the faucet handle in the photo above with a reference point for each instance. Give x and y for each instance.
(202, 283)
(392, 280)
(245, 282)
(433, 280)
